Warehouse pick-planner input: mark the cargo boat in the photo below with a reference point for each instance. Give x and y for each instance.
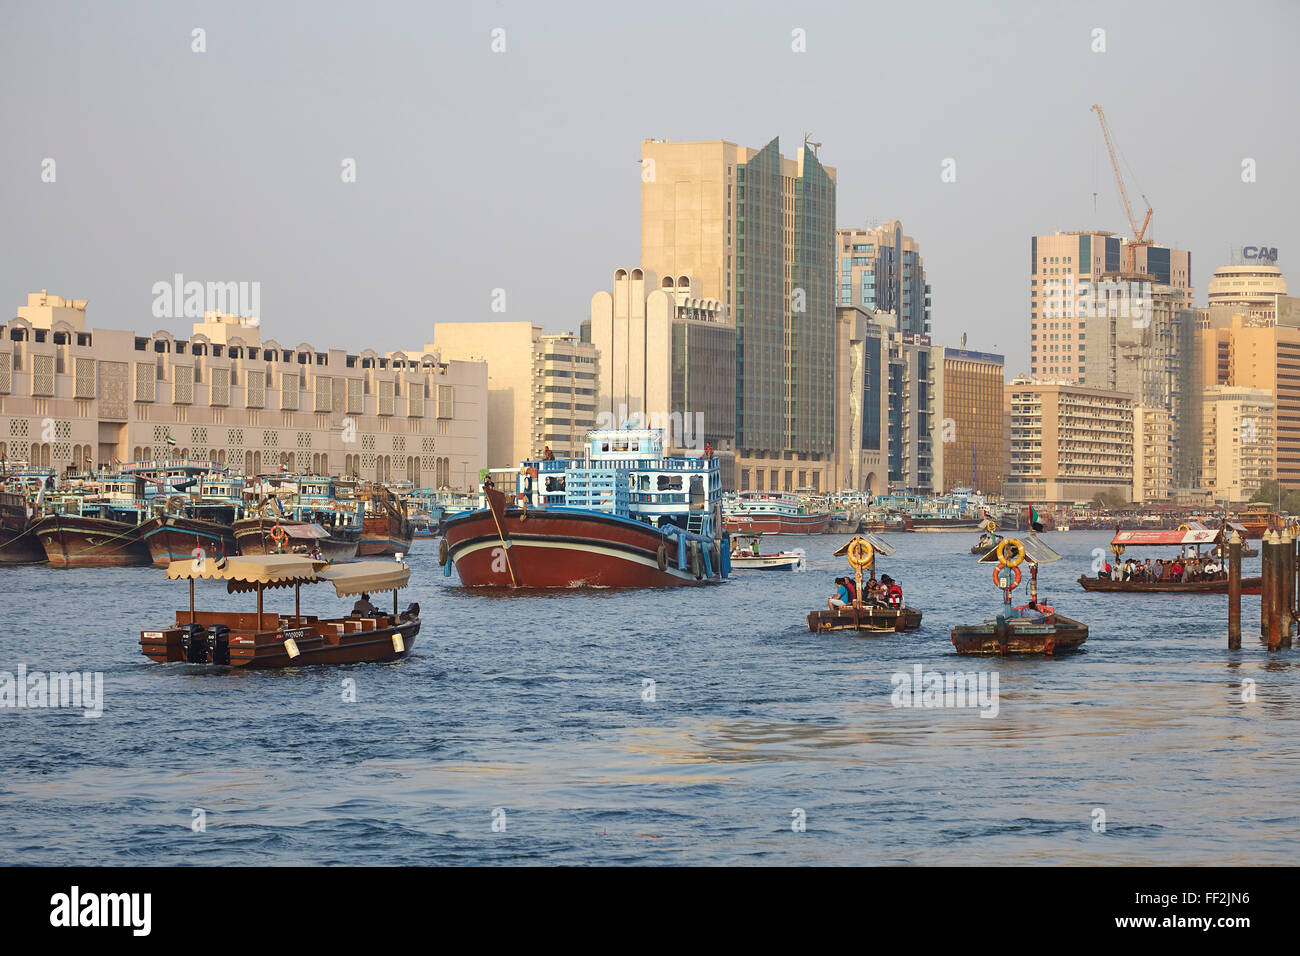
(386, 527)
(624, 516)
(775, 513)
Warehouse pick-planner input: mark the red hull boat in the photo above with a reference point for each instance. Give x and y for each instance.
(567, 548)
(778, 524)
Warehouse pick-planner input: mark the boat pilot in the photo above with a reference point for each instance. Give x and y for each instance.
(363, 607)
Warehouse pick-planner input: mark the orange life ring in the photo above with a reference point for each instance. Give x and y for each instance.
(279, 535)
(998, 581)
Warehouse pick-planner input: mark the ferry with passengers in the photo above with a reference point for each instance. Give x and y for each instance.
(624, 515)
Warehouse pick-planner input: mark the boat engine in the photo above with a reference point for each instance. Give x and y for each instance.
(219, 644)
(193, 646)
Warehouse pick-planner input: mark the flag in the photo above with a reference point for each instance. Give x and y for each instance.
(1035, 521)
(171, 442)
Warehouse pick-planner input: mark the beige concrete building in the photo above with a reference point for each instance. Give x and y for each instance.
(1253, 353)
(881, 270)
(1153, 455)
(862, 401)
(967, 450)
(1076, 278)
(1068, 442)
(669, 354)
(72, 395)
(541, 386)
(1238, 448)
(757, 230)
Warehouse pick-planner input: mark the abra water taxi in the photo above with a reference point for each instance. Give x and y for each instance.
(1189, 541)
(865, 612)
(279, 640)
(1032, 628)
(624, 516)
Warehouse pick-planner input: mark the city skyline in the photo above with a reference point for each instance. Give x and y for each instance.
(478, 172)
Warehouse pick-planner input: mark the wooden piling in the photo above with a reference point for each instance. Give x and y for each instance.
(1273, 633)
(1234, 592)
(1266, 584)
(1286, 571)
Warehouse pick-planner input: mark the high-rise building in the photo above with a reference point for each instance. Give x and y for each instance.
(1255, 290)
(541, 388)
(225, 394)
(862, 408)
(911, 411)
(1068, 442)
(1253, 354)
(1153, 455)
(880, 269)
(1238, 443)
(1076, 276)
(669, 354)
(758, 232)
(968, 452)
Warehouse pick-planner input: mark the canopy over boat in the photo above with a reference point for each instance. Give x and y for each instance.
(364, 577)
(1036, 552)
(879, 544)
(1170, 538)
(250, 571)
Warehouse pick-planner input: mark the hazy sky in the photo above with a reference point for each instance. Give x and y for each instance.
(520, 170)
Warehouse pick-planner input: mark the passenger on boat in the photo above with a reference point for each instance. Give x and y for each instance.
(841, 597)
(1104, 573)
(547, 454)
(363, 607)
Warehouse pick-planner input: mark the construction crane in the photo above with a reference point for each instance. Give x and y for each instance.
(1139, 235)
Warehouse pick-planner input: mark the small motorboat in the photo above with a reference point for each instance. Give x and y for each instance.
(866, 613)
(1032, 628)
(745, 556)
(264, 640)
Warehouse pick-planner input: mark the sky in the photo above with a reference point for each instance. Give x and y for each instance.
(518, 169)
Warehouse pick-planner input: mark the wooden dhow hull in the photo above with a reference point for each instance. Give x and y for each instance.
(869, 618)
(76, 541)
(563, 548)
(254, 536)
(1248, 586)
(18, 541)
(174, 537)
(743, 523)
(1062, 636)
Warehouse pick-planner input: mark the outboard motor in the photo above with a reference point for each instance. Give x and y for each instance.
(219, 644)
(193, 645)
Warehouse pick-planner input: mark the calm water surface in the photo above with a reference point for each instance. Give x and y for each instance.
(533, 704)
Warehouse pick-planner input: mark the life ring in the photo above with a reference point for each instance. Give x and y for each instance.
(444, 552)
(279, 535)
(990, 526)
(861, 554)
(1118, 549)
(999, 569)
(662, 557)
(1019, 552)
(1183, 527)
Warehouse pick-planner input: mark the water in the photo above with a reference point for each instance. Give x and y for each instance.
(533, 704)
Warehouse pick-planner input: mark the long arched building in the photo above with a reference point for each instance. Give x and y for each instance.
(74, 398)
